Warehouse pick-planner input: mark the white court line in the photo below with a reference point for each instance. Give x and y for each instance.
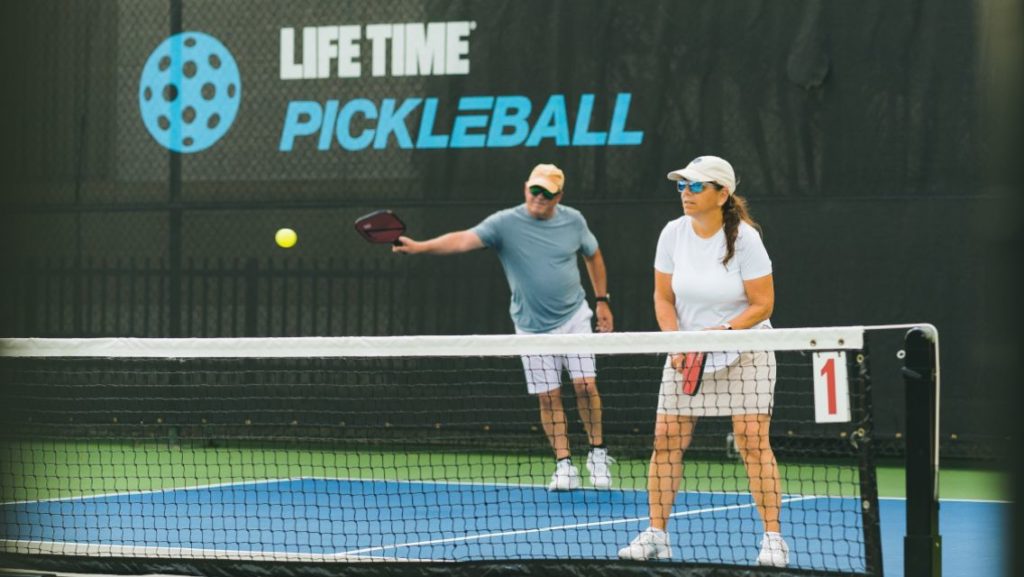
(529, 486)
(549, 529)
(624, 489)
(993, 501)
(306, 478)
(429, 482)
(154, 491)
(360, 479)
(447, 482)
(372, 480)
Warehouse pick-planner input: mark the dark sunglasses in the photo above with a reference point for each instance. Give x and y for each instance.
(695, 187)
(535, 190)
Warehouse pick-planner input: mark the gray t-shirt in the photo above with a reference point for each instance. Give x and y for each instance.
(539, 258)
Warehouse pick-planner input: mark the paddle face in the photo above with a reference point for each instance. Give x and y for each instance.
(693, 372)
(380, 227)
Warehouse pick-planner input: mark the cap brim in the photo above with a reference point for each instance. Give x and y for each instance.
(687, 174)
(548, 185)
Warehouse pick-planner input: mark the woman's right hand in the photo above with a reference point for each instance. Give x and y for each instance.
(678, 360)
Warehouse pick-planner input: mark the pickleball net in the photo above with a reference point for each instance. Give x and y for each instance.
(299, 455)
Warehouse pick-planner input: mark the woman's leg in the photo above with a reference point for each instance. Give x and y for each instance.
(751, 433)
(672, 436)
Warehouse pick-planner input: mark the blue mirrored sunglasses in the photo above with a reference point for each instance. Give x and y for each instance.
(695, 187)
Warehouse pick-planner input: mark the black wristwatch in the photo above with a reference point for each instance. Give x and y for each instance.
(606, 298)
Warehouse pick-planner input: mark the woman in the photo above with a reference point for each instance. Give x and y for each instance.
(712, 273)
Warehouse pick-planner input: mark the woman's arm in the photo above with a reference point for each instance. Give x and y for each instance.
(665, 302)
(761, 296)
(665, 311)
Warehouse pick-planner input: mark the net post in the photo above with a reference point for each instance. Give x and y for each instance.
(862, 438)
(923, 543)
(31, 324)
(174, 210)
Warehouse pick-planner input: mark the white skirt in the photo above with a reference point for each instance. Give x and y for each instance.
(746, 386)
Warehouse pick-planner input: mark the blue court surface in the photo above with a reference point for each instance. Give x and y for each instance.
(349, 519)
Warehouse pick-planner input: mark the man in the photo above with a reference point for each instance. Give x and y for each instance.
(537, 243)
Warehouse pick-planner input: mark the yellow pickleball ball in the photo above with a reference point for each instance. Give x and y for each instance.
(286, 238)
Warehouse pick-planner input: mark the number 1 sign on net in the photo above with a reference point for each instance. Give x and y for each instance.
(831, 388)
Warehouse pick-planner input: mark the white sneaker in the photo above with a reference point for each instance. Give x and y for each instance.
(598, 463)
(774, 551)
(650, 544)
(565, 478)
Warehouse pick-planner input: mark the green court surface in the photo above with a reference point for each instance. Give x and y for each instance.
(971, 484)
(47, 470)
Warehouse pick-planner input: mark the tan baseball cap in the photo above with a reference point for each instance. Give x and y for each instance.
(707, 169)
(547, 175)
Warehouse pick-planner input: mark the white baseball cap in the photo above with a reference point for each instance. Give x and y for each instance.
(707, 169)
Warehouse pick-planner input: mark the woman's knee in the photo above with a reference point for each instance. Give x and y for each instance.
(751, 433)
(755, 449)
(668, 438)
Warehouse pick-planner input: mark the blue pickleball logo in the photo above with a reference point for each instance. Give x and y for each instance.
(189, 92)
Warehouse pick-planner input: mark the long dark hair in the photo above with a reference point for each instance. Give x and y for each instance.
(733, 212)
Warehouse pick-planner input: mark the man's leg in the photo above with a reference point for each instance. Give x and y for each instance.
(588, 401)
(552, 418)
(544, 379)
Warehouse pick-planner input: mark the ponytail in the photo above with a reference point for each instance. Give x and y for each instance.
(733, 212)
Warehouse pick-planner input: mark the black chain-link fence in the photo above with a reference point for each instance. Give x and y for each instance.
(862, 134)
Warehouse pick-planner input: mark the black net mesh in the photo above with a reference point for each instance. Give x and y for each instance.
(305, 461)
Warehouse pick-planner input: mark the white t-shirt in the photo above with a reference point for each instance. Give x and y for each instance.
(708, 293)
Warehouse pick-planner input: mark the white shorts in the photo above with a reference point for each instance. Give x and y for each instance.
(744, 387)
(544, 372)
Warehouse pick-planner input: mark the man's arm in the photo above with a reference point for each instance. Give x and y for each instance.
(451, 243)
(599, 280)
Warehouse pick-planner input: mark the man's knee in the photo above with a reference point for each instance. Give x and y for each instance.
(585, 386)
(550, 399)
